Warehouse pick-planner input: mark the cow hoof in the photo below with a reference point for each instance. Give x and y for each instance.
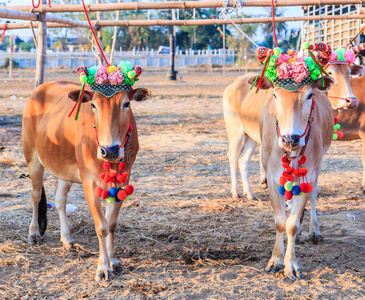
(293, 272)
(117, 268)
(251, 198)
(274, 266)
(69, 246)
(315, 238)
(35, 239)
(106, 275)
(236, 197)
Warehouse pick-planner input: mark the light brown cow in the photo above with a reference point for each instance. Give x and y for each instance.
(69, 151)
(292, 111)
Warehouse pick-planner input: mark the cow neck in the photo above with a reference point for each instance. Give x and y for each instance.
(293, 181)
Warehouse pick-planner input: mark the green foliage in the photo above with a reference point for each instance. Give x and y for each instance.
(24, 46)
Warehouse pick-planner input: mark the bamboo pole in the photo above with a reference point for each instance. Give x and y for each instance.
(42, 48)
(111, 57)
(11, 57)
(179, 5)
(202, 22)
(26, 25)
(99, 33)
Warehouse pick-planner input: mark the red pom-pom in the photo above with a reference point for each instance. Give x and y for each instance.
(336, 119)
(290, 177)
(121, 178)
(107, 178)
(102, 176)
(303, 171)
(98, 191)
(104, 194)
(289, 169)
(106, 165)
(310, 187)
(282, 180)
(284, 159)
(296, 172)
(304, 187)
(288, 195)
(303, 159)
(125, 174)
(121, 166)
(112, 174)
(121, 195)
(285, 174)
(339, 134)
(285, 165)
(129, 189)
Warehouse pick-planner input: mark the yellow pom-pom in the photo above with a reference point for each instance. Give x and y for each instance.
(110, 199)
(277, 51)
(132, 74)
(305, 45)
(111, 69)
(293, 59)
(288, 186)
(83, 78)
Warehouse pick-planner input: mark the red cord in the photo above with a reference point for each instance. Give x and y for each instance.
(3, 35)
(92, 30)
(39, 3)
(273, 22)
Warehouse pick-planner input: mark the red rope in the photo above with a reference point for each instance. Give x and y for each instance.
(39, 3)
(92, 30)
(263, 73)
(273, 22)
(3, 35)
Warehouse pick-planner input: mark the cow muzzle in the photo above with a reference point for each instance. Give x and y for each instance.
(290, 142)
(110, 153)
(351, 102)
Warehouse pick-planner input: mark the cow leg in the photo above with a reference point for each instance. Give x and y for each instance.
(235, 146)
(263, 179)
(314, 233)
(36, 171)
(112, 212)
(292, 269)
(63, 187)
(362, 136)
(249, 146)
(102, 230)
(276, 263)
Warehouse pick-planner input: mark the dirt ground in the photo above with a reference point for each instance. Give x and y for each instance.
(180, 236)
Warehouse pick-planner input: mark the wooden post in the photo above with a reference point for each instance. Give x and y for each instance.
(100, 36)
(172, 74)
(11, 57)
(224, 50)
(111, 58)
(42, 47)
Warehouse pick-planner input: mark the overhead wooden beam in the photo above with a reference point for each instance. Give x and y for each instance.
(179, 5)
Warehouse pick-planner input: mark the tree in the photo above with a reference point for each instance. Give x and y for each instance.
(267, 28)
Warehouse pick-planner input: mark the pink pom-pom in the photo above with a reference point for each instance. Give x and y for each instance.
(116, 77)
(349, 56)
(101, 77)
(300, 59)
(103, 69)
(283, 58)
(334, 56)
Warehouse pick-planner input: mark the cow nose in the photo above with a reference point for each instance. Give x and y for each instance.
(351, 102)
(291, 140)
(109, 152)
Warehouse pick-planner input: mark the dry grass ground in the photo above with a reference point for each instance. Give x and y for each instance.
(180, 236)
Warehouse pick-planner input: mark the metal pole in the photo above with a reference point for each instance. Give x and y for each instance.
(42, 48)
(11, 57)
(224, 50)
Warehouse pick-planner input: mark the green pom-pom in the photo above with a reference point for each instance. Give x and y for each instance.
(288, 186)
(110, 199)
(301, 193)
(128, 197)
(335, 136)
(337, 126)
(277, 51)
(83, 78)
(305, 45)
(131, 74)
(340, 52)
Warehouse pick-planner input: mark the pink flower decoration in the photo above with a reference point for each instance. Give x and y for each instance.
(349, 56)
(334, 56)
(101, 77)
(284, 71)
(103, 68)
(283, 58)
(300, 71)
(300, 59)
(116, 77)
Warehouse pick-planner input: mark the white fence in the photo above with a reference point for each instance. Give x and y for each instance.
(146, 59)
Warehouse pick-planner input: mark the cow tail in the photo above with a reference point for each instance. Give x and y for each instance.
(42, 213)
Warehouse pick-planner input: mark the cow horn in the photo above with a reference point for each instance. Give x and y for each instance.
(324, 52)
(262, 52)
(358, 48)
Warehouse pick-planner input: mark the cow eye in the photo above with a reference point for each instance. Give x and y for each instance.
(93, 106)
(275, 96)
(330, 73)
(310, 96)
(126, 104)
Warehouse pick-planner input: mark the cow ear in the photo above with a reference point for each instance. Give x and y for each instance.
(141, 94)
(265, 84)
(74, 96)
(328, 82)
(357, 69)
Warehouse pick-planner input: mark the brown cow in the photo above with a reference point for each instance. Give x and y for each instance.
(293, 112)
(69, 151)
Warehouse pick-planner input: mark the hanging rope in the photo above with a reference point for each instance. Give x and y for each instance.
(3, 35)
(39, 3)
(273, 22)
(92, 30)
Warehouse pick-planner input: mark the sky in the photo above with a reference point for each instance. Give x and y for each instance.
(290, 11)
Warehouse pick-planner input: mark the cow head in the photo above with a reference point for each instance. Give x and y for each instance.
(340, 94)
(112, 119)
(293, 110)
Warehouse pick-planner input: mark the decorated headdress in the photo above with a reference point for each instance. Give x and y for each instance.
(357, 49)
(289, 71)
(342, 57)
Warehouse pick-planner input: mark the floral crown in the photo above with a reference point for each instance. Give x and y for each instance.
(342, 57)
(109, 80)
(290, 72)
